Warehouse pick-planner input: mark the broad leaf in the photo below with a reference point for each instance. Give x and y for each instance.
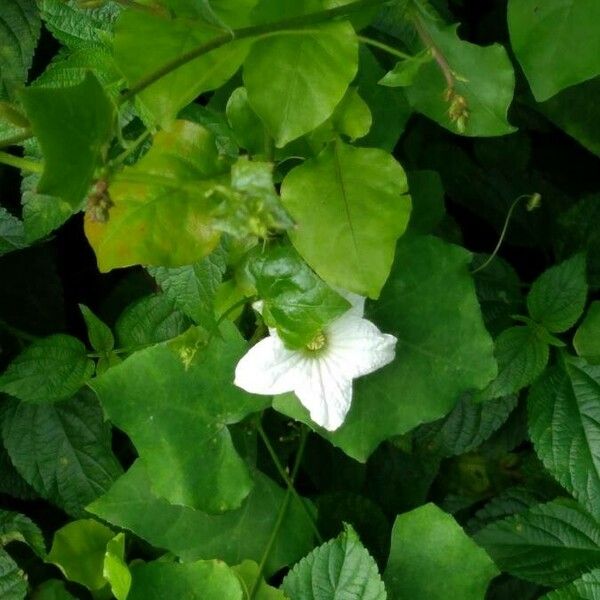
(78, 550)
(50, 369)
(19, 33)
(550, 544)
(555, 42)
(295, 301)
(12, 233)
(441, 352)
(13, 585)
(587, 336)
(190, 534)
(150, 320)
(202, 580)
(522, 356)
(339, 568)
(164, 191)
(564, 423)
(145, 42)
(432, 558)
(587, 587)
(193, 288)
(175, 402)
(294, 82)
(17, 527)
(74, 126)
(63, 450)
(557, 298)
(483, 76)
(349, 239)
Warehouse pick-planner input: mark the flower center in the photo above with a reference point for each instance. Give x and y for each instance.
(317, 343)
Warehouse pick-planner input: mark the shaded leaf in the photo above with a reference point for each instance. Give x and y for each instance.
(99, 333)
(13, 585)
(587, 336)
(12, 233)
(17, 527)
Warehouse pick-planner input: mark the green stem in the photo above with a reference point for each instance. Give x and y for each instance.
(18, 333)
(16, 139)
(280, 516)
(21, 163)
(130, 149)
(437, 54)
(282, 472)
(385, 47)
(245, 33)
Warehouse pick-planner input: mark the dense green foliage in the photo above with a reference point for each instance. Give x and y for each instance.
(191, 184)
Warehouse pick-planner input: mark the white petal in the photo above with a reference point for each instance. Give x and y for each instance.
(325, 392)
(269, 368)
(358, 345)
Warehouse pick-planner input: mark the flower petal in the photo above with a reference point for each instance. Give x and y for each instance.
(269, 368)
(358, 346)
(325, 392)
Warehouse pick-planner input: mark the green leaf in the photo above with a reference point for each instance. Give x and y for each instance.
(150, 320)
(202, 580)
(223, 13)
(19, 34)
(145, 42)
(50, 369)
(484, 77)
(175, 402)
(74, 126)
(340, 568)
(17, 527)
(550, 544)
(352, 116)
(78, 551)
(193, 288)
(555, 42)
(248, 129)
(587, 336)
(557, 298)
(587, 587)
(166, 190)
(441, 352)
(427, 193)
(296, 302)
(406, 71)
(294, 82)
(13, 584)
(432, 558)
(62, 450)
(12, 233)
(466, 427)
(564, 424)
(99, 333)
(233, 536)
(115, 569)
(367, 207)
(522, 355)
(52, 589)
(248, 572)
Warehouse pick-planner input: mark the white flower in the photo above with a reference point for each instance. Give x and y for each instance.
(321, 374)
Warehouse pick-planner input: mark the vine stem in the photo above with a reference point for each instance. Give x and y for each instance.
(437, 54)
(21, 163)
(244, 33)
(385, 47)
(280, 516)
(282, 472)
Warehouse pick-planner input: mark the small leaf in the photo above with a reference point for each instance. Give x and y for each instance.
(166, 190)
(587, 587)
(115, 569)
(175, 402)
(248, 572)
(63, 450)
(52, 589)
(587, 336)
(50, 369)
(339, 568)
(248, 129)
(295, 82)
(99, 334)
(58, 118)
(548, 40)
(432, 558)
(557, 298)
(521, 356)
(296, 302)
(202, 580)
(190, 534)
(150, 320)
(13, 584)
(367, 205)
(17, 527)
(78, 550)
(352, 116)
(405, 71)
(550, 544)
(564, 424)
(12, 233)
